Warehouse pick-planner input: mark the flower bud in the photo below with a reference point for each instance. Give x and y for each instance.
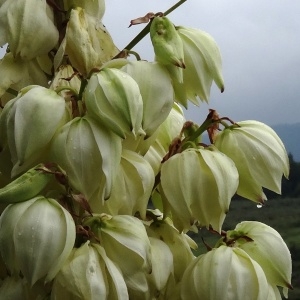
(259, 156)
(36, 237)
(87, 43)
(224, 273)
(127, 235)
(265, 245)
(203, 66)
(132, 187)
(27, 20)
(89, 274)
(202, 192)
(156, 90)
(40, 112)
(89, 154)
(113, 98)
(166, 42)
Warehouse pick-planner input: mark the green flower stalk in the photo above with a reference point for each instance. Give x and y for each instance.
(259, 155)
(36, 238)
(25, 187)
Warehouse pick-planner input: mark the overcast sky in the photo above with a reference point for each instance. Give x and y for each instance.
(259, 42)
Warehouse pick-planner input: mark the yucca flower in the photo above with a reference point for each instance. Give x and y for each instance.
(94, 276)
(224, 273)
(27, 20)
(29, 123)
(113, 98)
(266, 246)
(36, 238)
(203, 65)
(198, 185)
(259, 156)
(90, 155)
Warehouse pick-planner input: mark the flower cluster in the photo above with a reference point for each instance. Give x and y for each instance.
(101, 177)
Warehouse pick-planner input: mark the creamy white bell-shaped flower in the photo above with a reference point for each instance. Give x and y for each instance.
(95, 8)
(259, 155)
(36, 237)
(166, 133)
(156, 89)
(28, 27)
(87, 43)
(266, 246)
(132, 187)
(90, 155)
(89, 274)
(31, 122)
(198, 185)
(113, 98)
(17, 74)
(179, 243)
(202, 66)
(127, 235)
(224, 273)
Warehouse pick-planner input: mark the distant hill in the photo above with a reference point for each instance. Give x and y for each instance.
(290, 135)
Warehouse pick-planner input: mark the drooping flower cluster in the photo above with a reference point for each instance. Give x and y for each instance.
(101, 177)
